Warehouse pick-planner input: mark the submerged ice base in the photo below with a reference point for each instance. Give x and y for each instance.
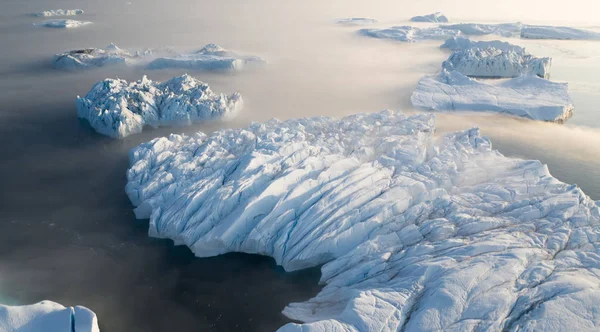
(210, 57)
(47, 316)
(62, 24)
(410, 34)
(526, 96)
(417, 233)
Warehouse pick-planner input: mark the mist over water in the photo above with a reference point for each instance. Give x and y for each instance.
(67, 229)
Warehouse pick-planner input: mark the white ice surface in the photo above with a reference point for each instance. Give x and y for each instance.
(410, 34)
(117, 108)
(476, 29)
(356, 21)
(61, 24)
(494, 63)
(210, 57)
(47, 316)
(59, 12)
(418, 233)
(553, 32)
(93, 58)
(526, 96)
(432, 18)
(462, 43)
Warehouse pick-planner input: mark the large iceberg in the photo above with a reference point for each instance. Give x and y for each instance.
(62, 24)
(356, 21)
(494, 63)
(59, 12)
(433, 18)
(525, 96)
(410, 34)
(417, 233)
(92, 58)
(462, 43)
(47, 316)
(551, 32)
(476, 29)
(117, 108)
(210, 57)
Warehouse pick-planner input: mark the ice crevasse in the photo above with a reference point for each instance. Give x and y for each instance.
(417, 232)
(47, 316)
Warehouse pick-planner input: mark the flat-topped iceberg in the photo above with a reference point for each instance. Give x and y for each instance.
(432, 18)
(59, 12)
(92, 58)
(62, 24)
(551, 32)
(356, 21)
(462, 43)
(417, 233)
(210, 57)
(494, 63)
(117, 108)
(47, 316)
(409, 34)
(526, 96)
(476, 29)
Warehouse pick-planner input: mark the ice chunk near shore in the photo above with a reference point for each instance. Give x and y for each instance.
(47, 316)
(59, 12)
(432, 18)
(356, 21)
(410, 34)
(210, 57)
(551, 32)
(476, 29)
(494, 63)
(91, 58)
(525, 96)
(62, 24)
(417, 232)
(462, 43)
(117, 108)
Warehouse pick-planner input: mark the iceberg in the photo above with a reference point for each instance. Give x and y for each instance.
(59, 12)
(475, 29)
(494, 63)
(525, 96)
(461, 43)
(92, 58)
(47, 316)
(409, 34)
(432, 18)
(550, 32)
(62, 24)
(210, 57)
(417, 232)
(116, 108)
(356, 21)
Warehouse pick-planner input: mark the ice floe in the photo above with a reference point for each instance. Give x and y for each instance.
(210, 57)
(410, 34)
(433, 18)
(117, 108)
(416, 232)
(476, 29)
(462, 43)
(553, 32)
(59, 12)
(61, 24)
(92, 58)
(525, 96)
(356, 21)
(47, 316)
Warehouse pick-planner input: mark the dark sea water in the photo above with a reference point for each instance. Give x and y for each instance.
(67, 231)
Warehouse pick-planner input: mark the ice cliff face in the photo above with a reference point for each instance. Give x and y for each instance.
(117, 108)
(59, 12)
(433, 18)
(62, 24)
(453, 91)
(356, 21)
(492, 62)
(92, 58)
(210, 57)
(410, 34)
(462, 43)
(475, 29)
(47, 316)
(551, 32)
(417, 233)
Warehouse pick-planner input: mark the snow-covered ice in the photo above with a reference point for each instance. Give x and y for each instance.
(476, 29)
(117, 108)
(552, 32)
(59, 12)
(494, 63)
(410, 34)
(210, 57)
(417, 233)
(92, 58)
(462, 43)
(47, 316)
(432, 18)
(356, 21)
(62, 23)
(525, 96)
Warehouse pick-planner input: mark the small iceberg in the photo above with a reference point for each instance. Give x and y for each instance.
(475, 29)
(551, 32)
(47, 316)
(62, 24)
(432, 18)
(462, 43)
(356, 21)
(116, 108)
(92, 58)
(210, 57)
(59, 12)
(410, 34)
(525, 96)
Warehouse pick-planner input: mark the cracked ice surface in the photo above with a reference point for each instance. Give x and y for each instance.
(59, 12)
(62, 24)
(552, 32)
(356, 21)
(210, 57)
(417, 233)
(461, 43)
(433, 18)
(117, 108)
(47, 316)
(410, 34)
(526, 96)
(476, 29)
